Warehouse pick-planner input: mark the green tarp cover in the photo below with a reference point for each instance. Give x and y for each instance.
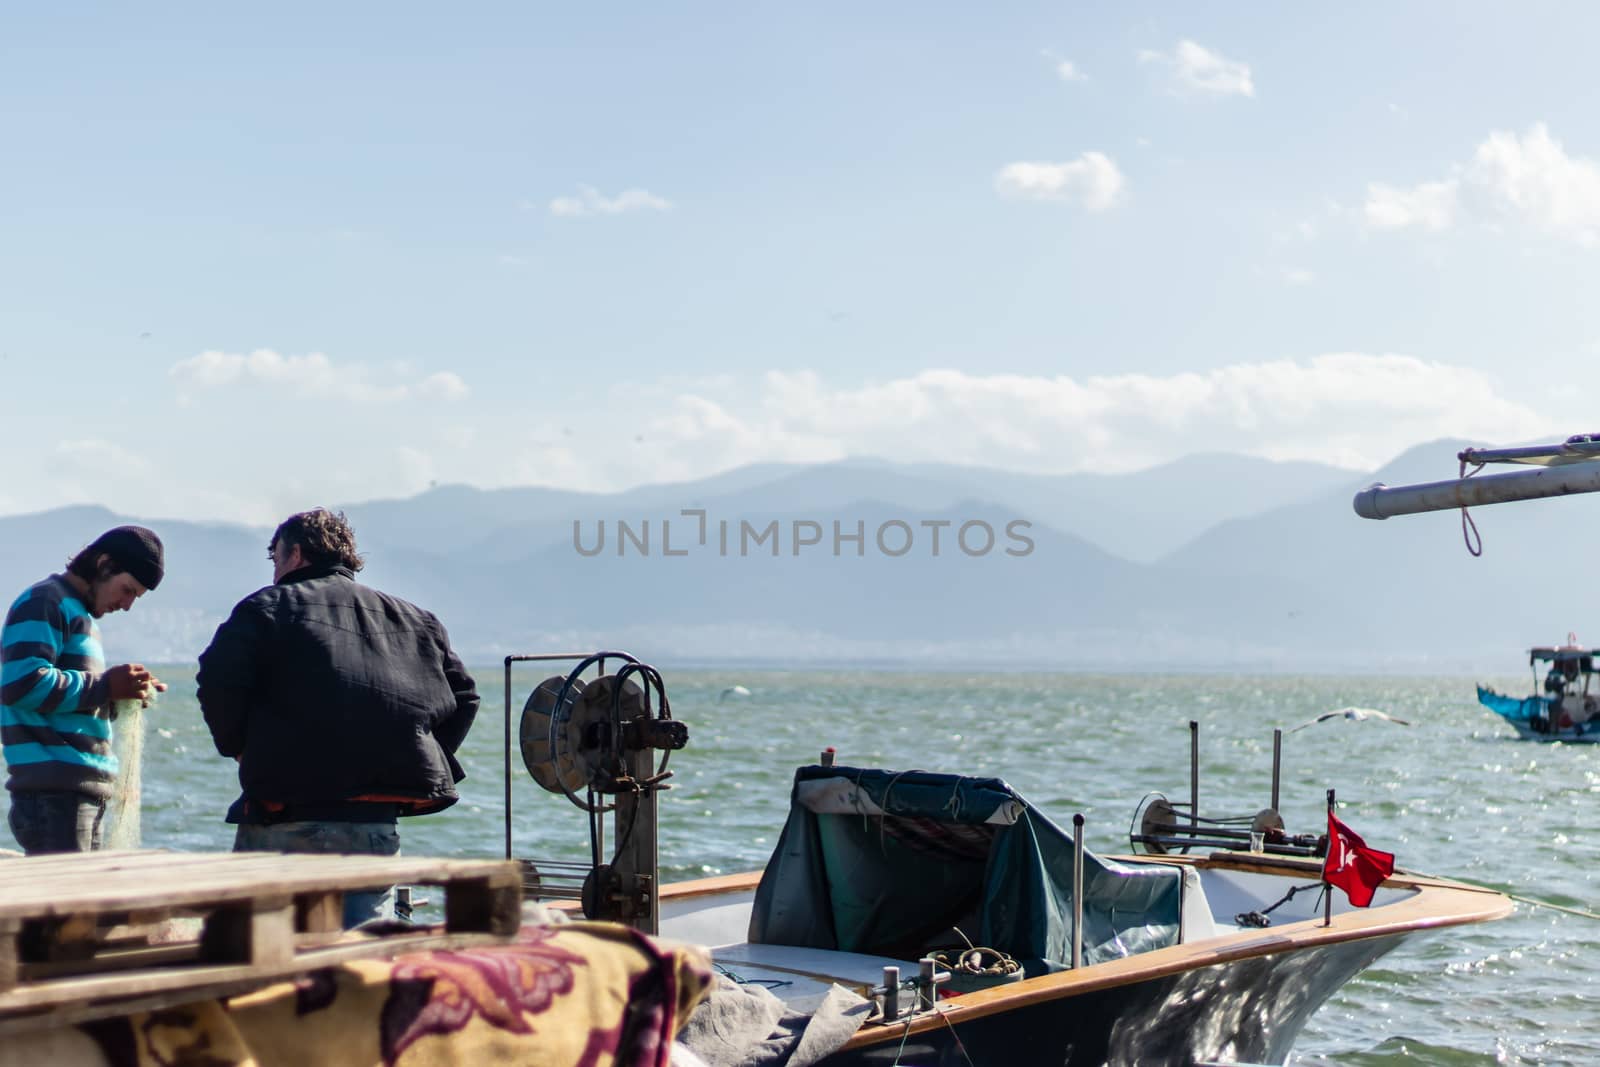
(884, 863)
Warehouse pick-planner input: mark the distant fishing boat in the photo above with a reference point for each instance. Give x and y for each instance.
(1564, 705)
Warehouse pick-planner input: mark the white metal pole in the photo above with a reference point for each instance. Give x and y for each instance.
(1381, 501)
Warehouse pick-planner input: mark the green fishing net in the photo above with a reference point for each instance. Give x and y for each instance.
(127, 745)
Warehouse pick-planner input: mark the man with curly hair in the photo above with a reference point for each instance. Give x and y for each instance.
(343, 705)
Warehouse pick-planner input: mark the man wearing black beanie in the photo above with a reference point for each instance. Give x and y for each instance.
(56, 694)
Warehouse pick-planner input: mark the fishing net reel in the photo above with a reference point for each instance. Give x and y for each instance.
(595, 741)
(577, 735)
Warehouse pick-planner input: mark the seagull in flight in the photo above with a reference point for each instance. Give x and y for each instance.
(1357, 714)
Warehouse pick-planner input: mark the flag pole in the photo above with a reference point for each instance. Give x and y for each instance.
(1327, 887)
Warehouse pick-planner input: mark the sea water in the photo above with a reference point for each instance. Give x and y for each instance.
(1450, 794)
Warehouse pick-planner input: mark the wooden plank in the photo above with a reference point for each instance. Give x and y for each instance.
(491, 905)
(77, 927)
(233, 876)
(111, 960)
(105, 854)
(101, 996)
(21, 870)
(10, 957)
(19, 874)
(216, 887)
(259, 932)
(319, 912)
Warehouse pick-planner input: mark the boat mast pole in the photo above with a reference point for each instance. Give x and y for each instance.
(1194, 775)
(507, 769)
(1327, 887)
(1380, 501)
(1077, 890)
(1277, 761)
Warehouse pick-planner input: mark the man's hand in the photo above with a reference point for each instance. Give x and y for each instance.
(133, 681)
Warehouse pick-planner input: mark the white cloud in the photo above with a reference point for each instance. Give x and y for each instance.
(1528, 182)
(1065, 69)
(1431, 205)
(1532, 180)
(589, 201)
(97, 457)
(313, 374)
(249, 456)
(1350, 409)
(1092, 180)
(1197, 69)
(442, 385)
(1298, 276)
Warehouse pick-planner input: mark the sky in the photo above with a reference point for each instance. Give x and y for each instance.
(258, 260)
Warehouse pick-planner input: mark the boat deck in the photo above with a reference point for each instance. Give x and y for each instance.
(802, 977)
(85, 935)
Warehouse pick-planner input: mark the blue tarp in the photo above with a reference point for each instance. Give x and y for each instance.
(1516, 709)
(885, 863)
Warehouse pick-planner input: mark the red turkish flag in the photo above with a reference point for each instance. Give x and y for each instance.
(1352, 866)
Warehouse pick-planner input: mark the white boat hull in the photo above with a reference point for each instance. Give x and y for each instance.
(1224, 993)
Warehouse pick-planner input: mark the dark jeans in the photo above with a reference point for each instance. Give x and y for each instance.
(351, 838)
(56, 822)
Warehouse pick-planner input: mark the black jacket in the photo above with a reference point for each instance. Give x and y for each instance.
(331, 692)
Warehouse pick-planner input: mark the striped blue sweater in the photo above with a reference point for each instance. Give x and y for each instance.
(55, 723)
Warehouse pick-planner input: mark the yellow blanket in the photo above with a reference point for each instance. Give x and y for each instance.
(568, 995)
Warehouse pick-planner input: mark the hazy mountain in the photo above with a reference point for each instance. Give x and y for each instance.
(1140, 516)
(462, 514)
(1146, 514)
(1407, 587)
(1269, 567)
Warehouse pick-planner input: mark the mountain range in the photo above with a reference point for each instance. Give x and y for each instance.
(1213, 562)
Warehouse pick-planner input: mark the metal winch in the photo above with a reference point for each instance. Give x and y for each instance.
(593, 736)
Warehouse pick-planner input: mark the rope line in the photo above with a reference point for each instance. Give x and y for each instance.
(739, 979)
(939, 1011)
(1466, 519)
(1260, 920)
(1579, 912)
(1534, 901)
(959, 1044)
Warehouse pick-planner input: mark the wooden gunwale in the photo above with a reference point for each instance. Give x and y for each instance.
(716, 885)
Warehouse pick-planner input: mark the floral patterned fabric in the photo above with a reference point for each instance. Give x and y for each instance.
(566, 995)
